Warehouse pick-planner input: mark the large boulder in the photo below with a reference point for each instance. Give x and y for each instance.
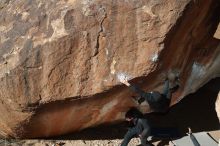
(60, 58)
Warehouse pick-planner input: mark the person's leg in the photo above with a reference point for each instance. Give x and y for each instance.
(128, 136)
(145, 142)
(150, 97)
(145, 133)
(154, 100)
(166, 90)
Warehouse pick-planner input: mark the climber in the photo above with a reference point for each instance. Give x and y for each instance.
(192, 137)
(159, 102)
(140, 127)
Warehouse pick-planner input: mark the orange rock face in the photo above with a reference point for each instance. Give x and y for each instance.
(60, 59)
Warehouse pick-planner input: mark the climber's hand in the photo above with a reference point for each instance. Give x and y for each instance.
(124, 81)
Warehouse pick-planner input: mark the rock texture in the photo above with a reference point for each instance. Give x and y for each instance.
(60, 58)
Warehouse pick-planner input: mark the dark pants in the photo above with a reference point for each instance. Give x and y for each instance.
(166, 90)
(133, 133)
(159, 101)
(156, 96)
(194, 140)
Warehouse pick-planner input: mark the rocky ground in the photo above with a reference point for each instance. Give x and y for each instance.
(67, 143)
(115, 142)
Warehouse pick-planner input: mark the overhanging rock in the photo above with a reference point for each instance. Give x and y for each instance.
(60, 58)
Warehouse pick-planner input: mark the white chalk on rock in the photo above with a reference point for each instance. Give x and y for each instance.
(123, 76)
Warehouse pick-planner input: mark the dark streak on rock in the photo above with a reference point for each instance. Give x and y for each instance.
(100, 31)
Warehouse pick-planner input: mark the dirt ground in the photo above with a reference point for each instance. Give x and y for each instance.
(196, 111)
(69, 143)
